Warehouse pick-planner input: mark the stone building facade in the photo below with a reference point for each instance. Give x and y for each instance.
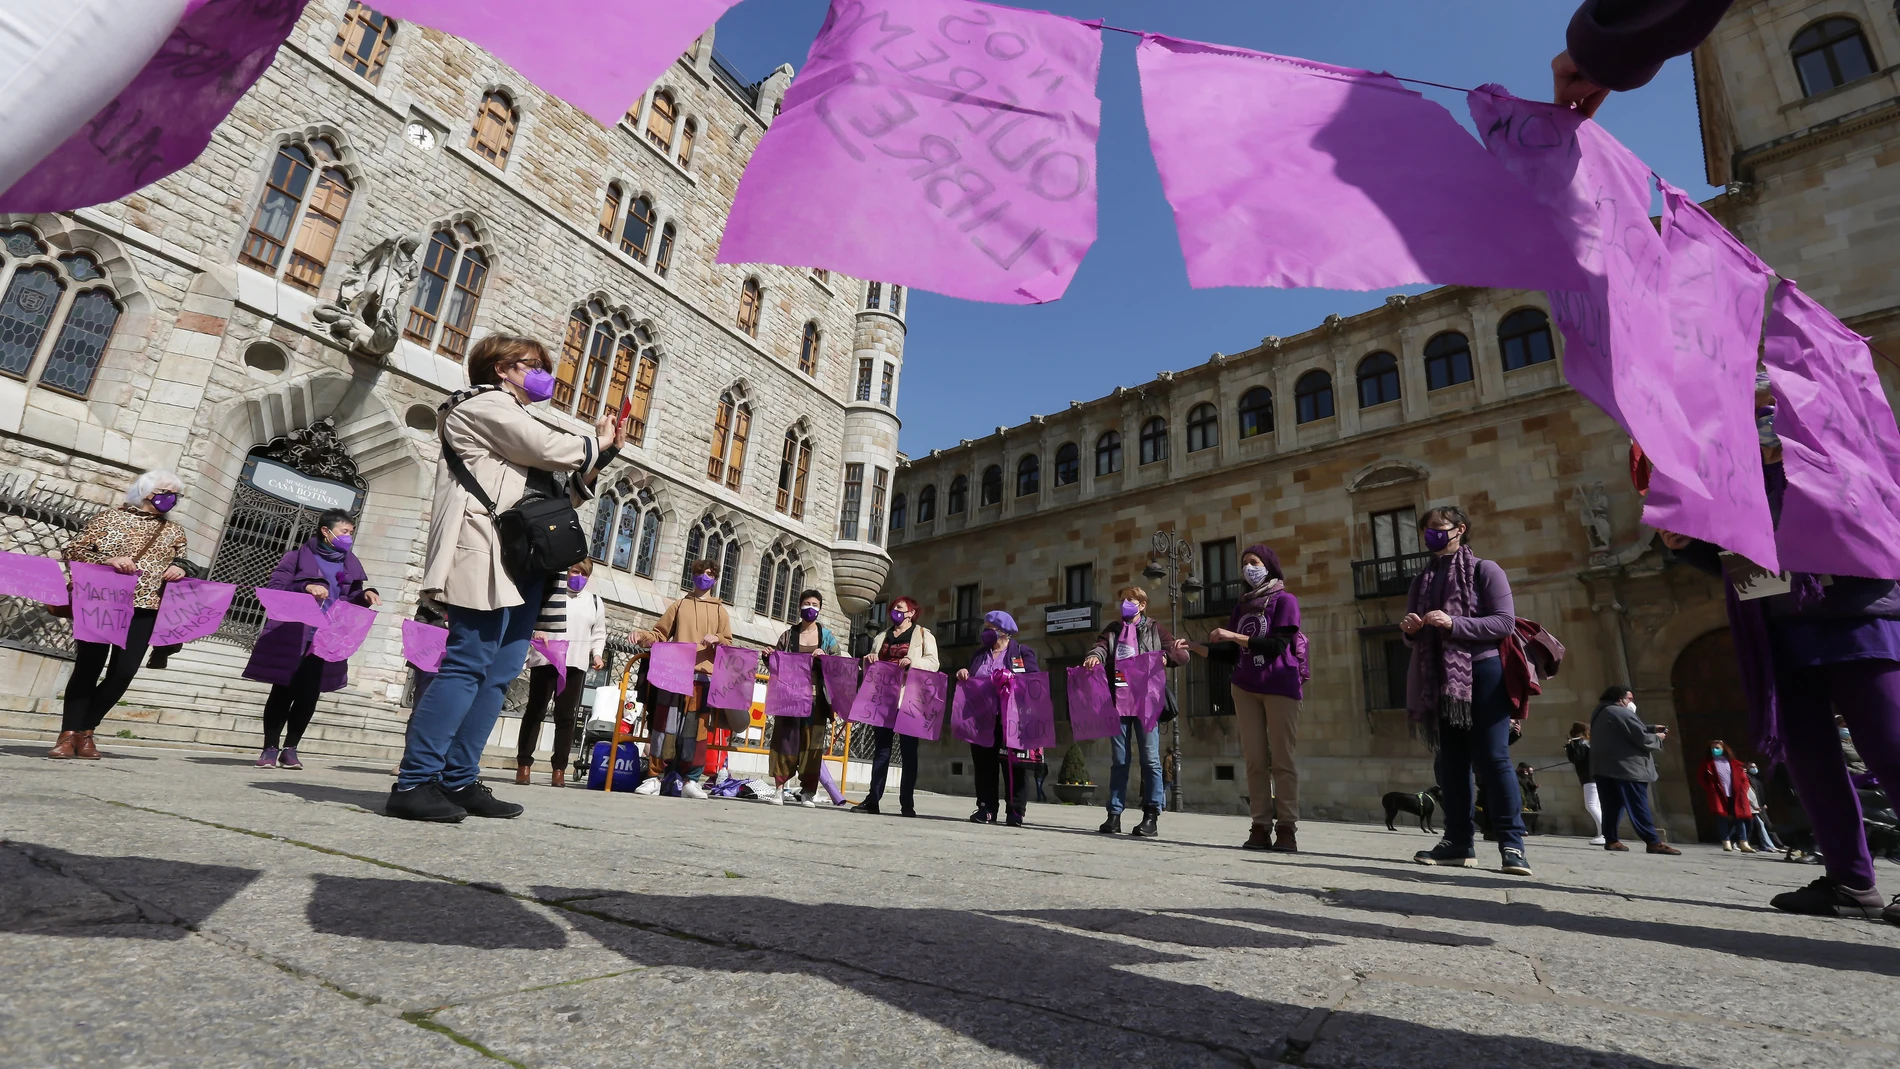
(224, 322)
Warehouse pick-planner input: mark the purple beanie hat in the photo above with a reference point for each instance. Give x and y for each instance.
(1267, 557)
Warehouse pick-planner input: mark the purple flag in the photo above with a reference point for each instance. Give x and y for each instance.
(343, 635)
(1092, 713)
(554, 652)
(1326, 176)
(102, 603)
(1146, 693)
(1715, 294)
(973, 711)
(789, 691)
(941, 144)
(191, 609)
(41, 579)
(164, 118)
(841, 680)
(423, 645)
(1839, 448)
(291, 607)
(670, 666)
(876, 703)
(735, 678)
(920, 712)
(1029, 716)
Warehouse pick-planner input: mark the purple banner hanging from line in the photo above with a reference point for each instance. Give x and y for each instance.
(291, 607)
(876, 701)
(1326, 176)
(102, 603)
(339, 639)
(974, 708)
(1029, 713)
(670, 666)
(1092, 712)
(940, 144)
(920, 713)
(841, 681)
(735, 677)
(554, 652)
(191, 609)
(423, 645)
(1146, 694)
(41, 579)
(789, 691)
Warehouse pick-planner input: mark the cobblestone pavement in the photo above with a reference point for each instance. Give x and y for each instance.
(165, 908)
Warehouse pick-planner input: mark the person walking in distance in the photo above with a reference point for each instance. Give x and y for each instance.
(326, 568)
(1577, 751)
(1623, 762)
(1725, 786)
(909, 645)
(584, 628)
(683, 719)
(1135, 633)
(798, 742)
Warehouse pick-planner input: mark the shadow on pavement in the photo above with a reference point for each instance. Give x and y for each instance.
(374, 801)
(1166, 928)
(1413, 872)
(1300, 922)
(428, 911)
(48, 891)
(236, 762)
(105, 751)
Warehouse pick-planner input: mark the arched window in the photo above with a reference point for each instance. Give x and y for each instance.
(1068, 464)
(605, 509)
(1108, 453)
(1203, 430)
(1378, 380)
(1831, 53)
(589, 355)
(638, 232)
(494, 134)
(729, 570)
(794, 471)
(927, 504)
(1154, 441)
(649, 545)
(610, 211)
(751, 304)
(1029, 476)
(779, 580)
(448, 291)
(1447, 360)
(626, 534)
(808, 350)
(730, 431)
(70, 291)
(992, 485)
(1256, 412)
(660, 119)
(716, 542)
(1313, 397)
(688, 134)
(1524, 338)
(646, 374)
(959, 496)
(291, 199)
(362, 41)
(663, 259)
(899, 506)
(620, 538)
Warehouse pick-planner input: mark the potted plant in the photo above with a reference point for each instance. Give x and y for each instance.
(1072, 782)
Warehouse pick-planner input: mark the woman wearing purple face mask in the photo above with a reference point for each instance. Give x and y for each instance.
(909, 645)
(1135, 633)
(681, 723)
(325, 568)
(576, 616)
(798, 743)
(506, 451)
(1000, 653)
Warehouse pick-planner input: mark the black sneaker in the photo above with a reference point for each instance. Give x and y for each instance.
(1892, 913)
(907, 812)
(426, 802)
(1015, 820)
(1515, 864)
(481, 802)
(1447, 855)
(982, 816)
(1827, 897)
(865, 807)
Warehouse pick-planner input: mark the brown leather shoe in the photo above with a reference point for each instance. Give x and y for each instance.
(1283, 840)
(1662, 848)
(1260, 838)
(1615, 845)
(521, 774)
(84, 749)
(63, 749)
(559, 779)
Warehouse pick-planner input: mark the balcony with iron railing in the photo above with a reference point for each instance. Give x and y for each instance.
(723, 70)
(960, 632)
(1216, 599)
(1384, 577)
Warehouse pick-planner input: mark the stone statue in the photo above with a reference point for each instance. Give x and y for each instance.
(1595, 504)
(368, 309)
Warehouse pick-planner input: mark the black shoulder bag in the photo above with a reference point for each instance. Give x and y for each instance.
(541, 535)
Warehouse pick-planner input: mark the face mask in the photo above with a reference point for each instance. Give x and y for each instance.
(1715, 751)
(809, 612)
(1753, 771)
(576, 583)
(703, 582)
(897, 616)
(164, 500)
(343, 542)
(1631, 707)
(1254, 574)
(1130, 610)
(1435, 539)
(1845, 733)
(538, 385)
(989, 636)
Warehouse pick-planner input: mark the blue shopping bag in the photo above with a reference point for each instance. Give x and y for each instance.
(629, 767)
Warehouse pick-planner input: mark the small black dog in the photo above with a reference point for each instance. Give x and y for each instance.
(1420, 805)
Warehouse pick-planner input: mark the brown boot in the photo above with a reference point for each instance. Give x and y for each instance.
(521, 774)
(84, 749)
(559, 779)
(63, 749)
(1283, 841)
(1260, 838)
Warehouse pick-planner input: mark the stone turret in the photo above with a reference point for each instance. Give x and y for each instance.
(870, 447)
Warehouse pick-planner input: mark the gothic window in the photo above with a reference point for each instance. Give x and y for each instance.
(873, 295)
(605, 509)
(1447, 360)
(70, 294)
(853, 503)
(900, 511)
(1029, 476)
(1203, 428)
(730, 432)
(959, 498)
(688, 134)
(729, 570)
(661, 116)
(638, 233)
(1524, 338)
(493, 135)
(618, 532)
(1068, 464)
(1829, 54)
(649, 545)
(880, 486)
(448, 291)
(1108, 453)
(808, 350)
(598, 358)
(610, 211)
(751, 306)
(625, 534)
(1154, 441)
(305, 191)
(992, 486)
(647, 375)
(1313, 397)
(890, 383)
(927, 504)
(1378, 379)
(609, 361)
(716, 542)
(794, 471)
(864, 378)
(897, 300)
(1256, 412)
(362, 41)
(663, 259)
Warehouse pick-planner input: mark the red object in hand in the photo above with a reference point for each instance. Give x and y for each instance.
(1640, 469)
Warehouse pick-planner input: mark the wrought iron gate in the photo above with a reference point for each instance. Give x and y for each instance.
(39, 522)
(258, 532)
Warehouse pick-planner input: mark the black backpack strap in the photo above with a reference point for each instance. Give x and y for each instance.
(456, 467)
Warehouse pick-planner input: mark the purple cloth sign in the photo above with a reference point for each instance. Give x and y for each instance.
(941, 144)
(735, 678)
(1715, 294)
(876, 703)
(670, 666)
(841, 680)
(1839, 448)
(424, 645)
(1332, 177)
(343, 635)
(102, 603)
(292, 607)
(162, 120)
(554, 651)
(1092, 712)
(1029, 715)
(789, 691)
(920, 711)
(41, 579)
(191, 609)
(973, 711)
(1146, 693)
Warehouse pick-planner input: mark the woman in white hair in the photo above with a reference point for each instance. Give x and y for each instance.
(138, 536)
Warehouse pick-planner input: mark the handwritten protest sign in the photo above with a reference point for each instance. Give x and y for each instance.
(343, 634)
(841, 680)
(41, 579)
(973, 711)
(1029, 714)
(920, 712)
(941, 144)
(1146, 693)
(734, 677)
(876, 702)
(191, 609)
(102, 603)
(423, 645)
(789, 691)
(1092, 712)
(291, 607)
(671, 666)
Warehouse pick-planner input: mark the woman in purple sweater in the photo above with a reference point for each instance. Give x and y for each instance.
(1457, 613)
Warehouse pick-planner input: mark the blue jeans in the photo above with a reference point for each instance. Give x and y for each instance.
(1149, 743)
(451, 723)
(1620, 795)
(1483, 749)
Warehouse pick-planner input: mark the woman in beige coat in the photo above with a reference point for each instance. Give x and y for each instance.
(909, 645)
(491, 616)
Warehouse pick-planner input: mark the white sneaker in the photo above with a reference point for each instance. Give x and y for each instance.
(692, 789)
(808, 802)
(1598, 841)
(649, 786)
(774, 795)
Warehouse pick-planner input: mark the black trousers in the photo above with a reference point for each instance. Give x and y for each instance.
(567, 704)
(993, 764)
(89, 697)
(881, 767)
(290, 707)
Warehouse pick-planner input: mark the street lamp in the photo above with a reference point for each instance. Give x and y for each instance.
(1170, 555)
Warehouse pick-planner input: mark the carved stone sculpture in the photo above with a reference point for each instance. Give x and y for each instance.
(1595, 505)
(368, 308)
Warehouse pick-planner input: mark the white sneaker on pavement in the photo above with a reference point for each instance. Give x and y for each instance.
(649, 786)
(811, 803)
(774, 795)
(1598, 841)
(692, 789)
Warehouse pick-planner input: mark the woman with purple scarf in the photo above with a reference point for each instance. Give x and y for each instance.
(324, 568)
(1459, 610)
(1002, 658)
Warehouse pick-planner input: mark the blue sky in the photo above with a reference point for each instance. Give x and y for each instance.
(970, 367)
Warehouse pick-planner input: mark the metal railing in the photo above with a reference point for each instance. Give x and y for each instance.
(1384, 577)
(961, 632)
(38, 521)
(723, 70)
(1216, 599)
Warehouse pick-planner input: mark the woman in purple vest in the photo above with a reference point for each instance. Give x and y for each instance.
(324, 568)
